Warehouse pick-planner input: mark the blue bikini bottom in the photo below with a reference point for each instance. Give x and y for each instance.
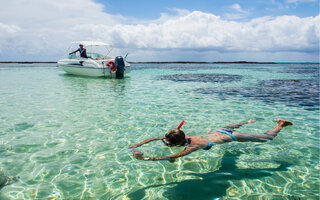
(225, 131)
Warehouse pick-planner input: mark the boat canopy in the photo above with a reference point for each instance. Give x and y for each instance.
(92, 43)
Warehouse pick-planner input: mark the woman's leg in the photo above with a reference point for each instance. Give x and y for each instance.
(269, 135)
(234, 126)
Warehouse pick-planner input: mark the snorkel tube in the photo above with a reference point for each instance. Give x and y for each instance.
(182, 122)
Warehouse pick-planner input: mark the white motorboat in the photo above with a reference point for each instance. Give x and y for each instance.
(96, 64)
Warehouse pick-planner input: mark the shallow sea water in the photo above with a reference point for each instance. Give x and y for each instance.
(67, 137)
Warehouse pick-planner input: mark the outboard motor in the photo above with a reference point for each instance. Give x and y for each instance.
(120, 66)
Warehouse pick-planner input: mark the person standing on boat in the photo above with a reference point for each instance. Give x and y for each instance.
(82, 51)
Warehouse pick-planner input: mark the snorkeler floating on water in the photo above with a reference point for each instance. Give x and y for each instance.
(176, 137)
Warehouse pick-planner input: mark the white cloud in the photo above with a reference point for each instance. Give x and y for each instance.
(238, 8)
(299, 1)
(5, 28)
(42, 30)
(236, 13)
(45, 27)
(54, 14)
(204, 30)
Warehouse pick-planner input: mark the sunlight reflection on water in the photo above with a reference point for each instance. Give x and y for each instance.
(68, 137)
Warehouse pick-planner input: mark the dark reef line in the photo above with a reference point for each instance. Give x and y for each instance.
(174, 62)
(189, 62)
(167, 62)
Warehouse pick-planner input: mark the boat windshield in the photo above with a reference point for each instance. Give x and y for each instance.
(95, 50)
(95, 56)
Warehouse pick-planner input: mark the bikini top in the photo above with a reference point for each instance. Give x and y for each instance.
(209, 145)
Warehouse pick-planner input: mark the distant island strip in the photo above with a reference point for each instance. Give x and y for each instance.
(169, 62)
(173, 62)
(188, 62)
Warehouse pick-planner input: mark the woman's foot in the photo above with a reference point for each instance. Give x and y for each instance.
(284, 123)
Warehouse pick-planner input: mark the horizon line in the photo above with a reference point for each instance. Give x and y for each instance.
(172, 62)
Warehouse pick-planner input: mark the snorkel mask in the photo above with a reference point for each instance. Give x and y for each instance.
(168, 143)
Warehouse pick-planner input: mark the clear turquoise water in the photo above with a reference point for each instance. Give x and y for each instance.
(67, 137)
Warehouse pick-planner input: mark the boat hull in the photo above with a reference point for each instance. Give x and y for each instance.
(87, 67)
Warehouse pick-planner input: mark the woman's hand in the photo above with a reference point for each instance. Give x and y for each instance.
(137, 154)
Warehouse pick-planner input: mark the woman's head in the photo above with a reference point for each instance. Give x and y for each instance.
(175, 137)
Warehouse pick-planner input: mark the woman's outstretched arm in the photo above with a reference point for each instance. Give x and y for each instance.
(138, 154)
(146, 141)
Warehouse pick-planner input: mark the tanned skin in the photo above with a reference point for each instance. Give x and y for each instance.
(195, 142)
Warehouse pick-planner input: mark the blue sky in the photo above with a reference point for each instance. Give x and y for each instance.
(166, 30)
(151, 9)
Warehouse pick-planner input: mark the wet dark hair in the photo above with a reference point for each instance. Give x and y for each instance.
(175, 137)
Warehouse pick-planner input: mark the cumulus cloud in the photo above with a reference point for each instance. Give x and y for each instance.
(237, 12)
(207, 31)
(299, 1)
(238, 8)
(5, 28)
(42, 30)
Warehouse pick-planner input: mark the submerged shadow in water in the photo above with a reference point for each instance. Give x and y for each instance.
(214, 184)
(6, 180)
(176, 67)
(307, 70)
(290, 92)
(213, 78)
